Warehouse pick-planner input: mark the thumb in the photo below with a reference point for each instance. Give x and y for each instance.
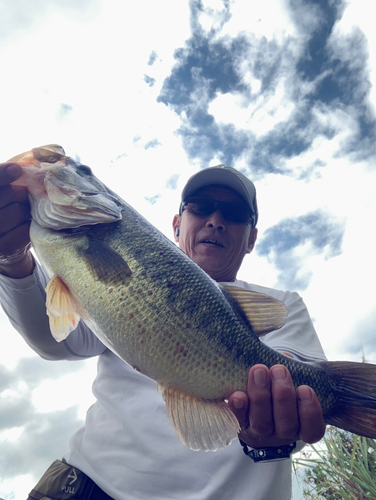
(9, 172)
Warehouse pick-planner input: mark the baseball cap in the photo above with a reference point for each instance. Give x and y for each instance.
(224, 176)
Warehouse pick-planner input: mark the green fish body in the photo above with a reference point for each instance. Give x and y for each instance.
(159, 312)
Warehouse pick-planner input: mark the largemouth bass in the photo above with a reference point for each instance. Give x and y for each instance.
(158, 311)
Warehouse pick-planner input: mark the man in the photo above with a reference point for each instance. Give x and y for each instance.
(128, 447)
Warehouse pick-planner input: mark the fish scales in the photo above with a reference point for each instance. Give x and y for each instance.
(160, 338)
(153, 313)
(158, 311)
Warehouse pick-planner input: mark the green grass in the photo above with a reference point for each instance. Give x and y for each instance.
(342, 466)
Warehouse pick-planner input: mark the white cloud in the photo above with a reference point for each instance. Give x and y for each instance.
(263, 19)
(260, 116)
(358, 15)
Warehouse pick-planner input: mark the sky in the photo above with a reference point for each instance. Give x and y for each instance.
(147, 93)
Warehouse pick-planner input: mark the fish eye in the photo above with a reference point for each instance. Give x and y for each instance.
(84, 170)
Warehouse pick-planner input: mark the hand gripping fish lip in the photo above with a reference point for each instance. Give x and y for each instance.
(63, 193)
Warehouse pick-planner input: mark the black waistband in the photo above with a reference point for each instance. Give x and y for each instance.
(62, 481)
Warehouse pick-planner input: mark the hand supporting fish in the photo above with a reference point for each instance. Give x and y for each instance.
(274, 414)
(158, 311)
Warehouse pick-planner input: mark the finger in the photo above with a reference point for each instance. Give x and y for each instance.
(285, 411)
(260, 402)
(14, 240)
(12, 216)
(238, 403)
(312, 425)
(9, 172)
(10, 194)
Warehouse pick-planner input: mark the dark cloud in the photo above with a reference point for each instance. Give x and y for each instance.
(317, 230)
(45, 436)
(315, 20)
(324, 72)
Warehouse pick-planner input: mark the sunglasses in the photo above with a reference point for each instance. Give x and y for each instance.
(231, 211)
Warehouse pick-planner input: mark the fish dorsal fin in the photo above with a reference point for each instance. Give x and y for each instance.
(200, 424)
(265, 313)
(61, 309)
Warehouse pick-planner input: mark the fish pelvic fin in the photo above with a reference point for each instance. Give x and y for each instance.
(264, 313)
(61, 309)
(200, 424)
(355, 409)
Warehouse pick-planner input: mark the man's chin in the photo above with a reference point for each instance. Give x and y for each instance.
(211, 265)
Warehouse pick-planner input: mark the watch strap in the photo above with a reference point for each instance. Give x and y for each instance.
(269, 454)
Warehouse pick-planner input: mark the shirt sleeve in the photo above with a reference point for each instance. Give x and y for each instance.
(298, 335)
(23, 301)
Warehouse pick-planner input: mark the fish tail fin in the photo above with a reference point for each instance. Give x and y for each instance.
(355, 408)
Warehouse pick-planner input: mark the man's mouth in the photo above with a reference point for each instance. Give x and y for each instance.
(213, 242)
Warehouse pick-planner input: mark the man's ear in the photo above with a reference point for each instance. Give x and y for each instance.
(176, 226)
(252, 239)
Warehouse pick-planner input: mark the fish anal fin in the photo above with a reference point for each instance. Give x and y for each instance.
(200, 424)
(106, 264)
(61, 309)
(265, 313)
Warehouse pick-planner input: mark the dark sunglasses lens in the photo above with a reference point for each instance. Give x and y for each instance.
(202, 207)
(232, 212)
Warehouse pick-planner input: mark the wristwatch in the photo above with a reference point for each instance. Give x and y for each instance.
(270, 454)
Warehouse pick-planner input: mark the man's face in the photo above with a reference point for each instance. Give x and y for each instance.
(216, 245)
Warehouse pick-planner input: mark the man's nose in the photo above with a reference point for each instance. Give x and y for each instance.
(216, 221)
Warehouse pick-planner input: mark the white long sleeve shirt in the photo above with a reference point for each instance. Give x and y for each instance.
(128, 446)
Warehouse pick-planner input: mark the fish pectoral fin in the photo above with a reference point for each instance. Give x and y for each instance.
(105, 264)
(265, 313)
(61, 309)
(201, 424)
(62, 326)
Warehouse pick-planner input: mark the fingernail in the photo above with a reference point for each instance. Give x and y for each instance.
(238, 403)
(304, 394)
(14, 170)
(279, 373)
(259, 376)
